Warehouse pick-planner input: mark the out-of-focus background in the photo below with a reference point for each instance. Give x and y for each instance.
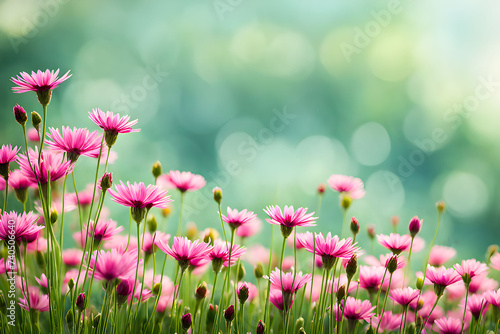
(267, 99)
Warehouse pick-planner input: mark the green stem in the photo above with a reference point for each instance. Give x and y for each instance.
(465, 306)
(222, 224)
(6, 193)
(385, 301)
(428, 316)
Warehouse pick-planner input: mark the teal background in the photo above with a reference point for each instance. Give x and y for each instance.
(404, 95)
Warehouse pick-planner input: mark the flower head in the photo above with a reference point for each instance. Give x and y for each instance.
(347, 185)
(329, 248)
(37, 302)
(291, 281)
(440, 255)
(250, 228)
(237, 218)
(370, 278)
(288, 219)
(449, 325)
(389, 322)
(186, 251)
(394, 242)
(38, 82)
(276, 297)
(415, 226)
(183, 181)
(50, 162)
(219, 254)
(477, 304)
(355, 309)
(113, 265)
(23, 226)
(75, 142)
(8, 154)
(72, 256)
(441, 278)
(470, 268)
(404, 296)
(112, 124)
(493, 297)
(103, 230)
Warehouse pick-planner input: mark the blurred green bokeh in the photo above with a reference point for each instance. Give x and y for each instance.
(267, 99)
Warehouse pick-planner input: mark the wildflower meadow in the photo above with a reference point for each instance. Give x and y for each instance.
(152, 274)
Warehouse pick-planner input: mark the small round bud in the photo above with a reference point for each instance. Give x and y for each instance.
(36, 119)
(156, 288)
(217, 192)
(371, 231)
(201, 291)
(370, 330)
(346, 202)
(229, 313)
(95, 321)
(420, 283)
(392, 264)
(80, 301)
(165, 212)
(352, 267)
(258, 271)
(210, 235)
(420, 304)
(492, 249)
(354, 226)
(241, 272)
(440, 206)
(186, 321)
(71, 283)
(156, 170)
(20, 114)
(299, 324)
(301, 330)
(321, 188)
(415, 226)
(53, 216)
(243, 293)
(340, 294)
(394, 221)
(106, 181)
(260, 327)
(152, 224)
(411, 328)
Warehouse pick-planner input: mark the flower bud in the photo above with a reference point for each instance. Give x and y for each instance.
(370, 330)
(346, 201)
(440, 206)
(411, 328)
(301, 331)
(392, 264)
(371, 231)
(420, 304)
(354, 226)
(243, 293)
(186, 321)
(20, 114)
(80, 301)
(321, 188)
(53, 216)
(156, 288)
(210, 235)
(95, 321)
(152, 224)
(299, 324)
(156, 170)
(229, 313)
(71, 283)
(212, 311)
(241, 272)
(492, 249)
(70, 318)
(394, 221)
(36, 119)
(340, 294)
(414, 226)
(217, 192)
(420, 283)
(165, 212)
(260, 327)
(258, 271)
(201, 291)
(106, 181)
(352, 267)
(192, 231)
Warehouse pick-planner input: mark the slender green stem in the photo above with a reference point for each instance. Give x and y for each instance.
(429, 315)
(465, 306)
(385, 301)
(144, 265)
(267, 315)
(409, 259)
(281, 282)
(136, 274)
(344, 215)
(222, 224)
(380, 289)
(215, 285)
(6, 193)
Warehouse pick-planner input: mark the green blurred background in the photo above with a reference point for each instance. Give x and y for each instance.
(267, 99)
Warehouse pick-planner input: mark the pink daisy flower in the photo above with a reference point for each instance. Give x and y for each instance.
(258, 254)
(493, 297)
(237, 218)
(38, 302)
(33, 135)
(113, 265)
(329, 248)
(124, 290)
(404, 296)
(477, 304)
(220, 254)
(72, 256)
(39, 81)
(440, 255)
(42, 281)
(370, 278)
(149, 241)
(103, 230)
(347, 185)
(394, 242)
(186, 251)
(75, 142)
(449, 325)
(288, 219)
(18, 181)
(355, 309)
(183, 181)
(84, 198)
(470, 268)
(494, 261)
(276, 297)
(139, 198)
(8, 154)
(250, 228)
(441, 278)
(112, 124)
(389, 322)
(51, 162)
(291, 281)
(23, 225)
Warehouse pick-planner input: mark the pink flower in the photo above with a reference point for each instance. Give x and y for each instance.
(112, 124)
(291, 281)
(113, 265)
(237, 218)
(18, 181)
(471, 268)
(38, 245)
(75, 142)
(149, 241)
(2, 184)
(449, 325)
(355, 309)
(183, 181)
(493, 297)
(250, 228)
(384, 260)
(441, 277)
(38, 82)
(477, 304)
(33, 135)
(276, 297)
(253, 292)
(347, 185)
(258, 254)
(404, 296)
(44, 283)
(84, 198)
(22, 226)
(72, 256)
(394, 242)
(51, 162)
(339, 282)
(186, 251)
(8, 154)
(220, 254)
(440, 255)
(297, 244)
(415, 226)
(494, 260)
(370, 278)
(389, 322)
(37, 302)
(329, 248)
(103, 230)
(289, 218)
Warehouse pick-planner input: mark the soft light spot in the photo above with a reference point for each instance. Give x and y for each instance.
(370, 144)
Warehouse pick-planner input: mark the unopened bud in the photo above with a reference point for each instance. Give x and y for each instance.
(352, 267)
(321, 188)
(217, 192)
(20, 114)
(201, 291)
(492, 249)
(241, 272)
(243, 293)
(420, 304)
(71, 283)
(106, 181)
(260, 327)
(370, 330)
(192, 231)
(210, 235)
(299, 324)
(156, 170)
(411, 329)
(346, 202)
(258, 271)
(53, 216)
(95, 321)
(80, 301)
(414, 226)
(440, 206)
(340, 294)
(392, 265)
(36, 120)
(186, 321)
(420, 283)
(371, 231)
(354, 226)
(152, 224)
(229, 313)
(156, 288)
(165, 212)
(70, 318)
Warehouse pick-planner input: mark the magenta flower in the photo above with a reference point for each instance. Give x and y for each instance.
(355, 309)
(370, 278)
(38, 82)
(18, 181)
(112, 124)
(250, 228)
(291, 281)
(440, 255)
(186, 251)
(237, 218)
(22, 226)
(103, 230)
(51, 162)
(404, 296)
(347, 186)
(441, 278)
(394, 242)
(449, 325)
(75, 142)
(470, 268)
(33, 135)
(220, 254)
(72, 256)
(8, 154)
(329, 248)
(38, 302)
(415, 226)
(495, 261)
(276, 297)
(42, 281)
(113, 265)
(477, 304)
(288, 219)
(183, 181)
(493, 297)
(84, 198)
(149, 241)
(139, 198)
(389, 322)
